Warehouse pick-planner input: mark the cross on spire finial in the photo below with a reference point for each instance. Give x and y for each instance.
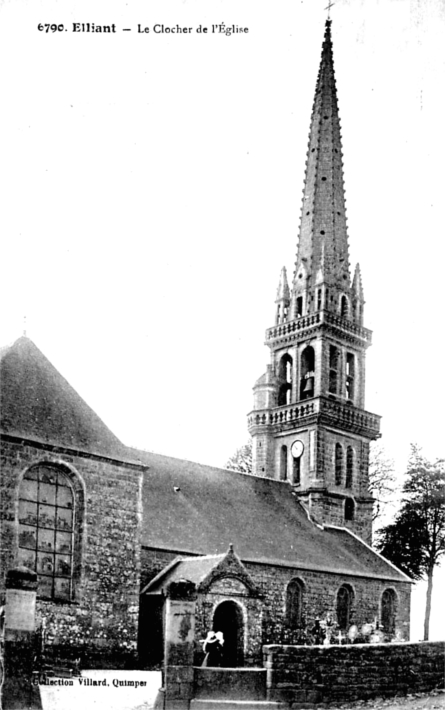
(328, 8)
(24, 325)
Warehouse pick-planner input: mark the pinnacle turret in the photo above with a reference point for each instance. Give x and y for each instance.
(283, 296)
(283, 292)
(357, 286)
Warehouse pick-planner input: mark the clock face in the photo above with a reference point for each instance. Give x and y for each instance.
(297, 449)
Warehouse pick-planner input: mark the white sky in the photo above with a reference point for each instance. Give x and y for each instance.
(151, 192)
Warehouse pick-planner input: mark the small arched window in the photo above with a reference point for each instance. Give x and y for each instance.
(294, 603)
(344, 307)
(48, 530)
(349, 509)
(388, 614)
(296, 471)
(283, 463)
(344, 606)
(349, 467)
(299, 306)
(338, 464)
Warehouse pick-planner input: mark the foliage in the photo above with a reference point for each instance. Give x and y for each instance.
(382, 479)
(242, 459)
(415, 541)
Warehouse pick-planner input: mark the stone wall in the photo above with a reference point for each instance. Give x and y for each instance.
(319, 599)
(100, 623)
(301, 675)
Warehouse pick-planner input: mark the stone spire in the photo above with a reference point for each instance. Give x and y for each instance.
(322, 255)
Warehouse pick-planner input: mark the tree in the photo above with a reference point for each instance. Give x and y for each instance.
(242, 459)
(415, 541)
(382, 479)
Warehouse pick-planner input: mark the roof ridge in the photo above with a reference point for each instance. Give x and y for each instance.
(206, 465)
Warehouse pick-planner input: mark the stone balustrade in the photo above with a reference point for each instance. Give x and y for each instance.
(302, 323)
(340, 413)
(281, 415)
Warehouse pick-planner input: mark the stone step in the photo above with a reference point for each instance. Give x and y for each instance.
(206, 704)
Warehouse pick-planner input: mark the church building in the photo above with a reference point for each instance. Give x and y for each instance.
(107, 527)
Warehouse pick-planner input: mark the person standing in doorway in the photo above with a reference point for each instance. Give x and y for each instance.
(213, 648)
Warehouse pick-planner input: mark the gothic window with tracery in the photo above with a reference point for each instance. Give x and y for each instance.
(294, 603)
(46, 530)
(388, 615)
(344, 606)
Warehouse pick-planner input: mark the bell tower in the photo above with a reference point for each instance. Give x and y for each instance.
(309, 426)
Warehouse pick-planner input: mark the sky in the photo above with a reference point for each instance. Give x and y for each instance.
(151, 191)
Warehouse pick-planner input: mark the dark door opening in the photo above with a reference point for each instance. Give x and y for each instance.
(228, 618)
(151, 631)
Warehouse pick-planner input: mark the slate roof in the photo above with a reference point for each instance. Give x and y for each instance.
(194, 569)
(36, 402)
(215, 507)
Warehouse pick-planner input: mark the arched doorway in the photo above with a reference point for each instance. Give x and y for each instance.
(228, 618)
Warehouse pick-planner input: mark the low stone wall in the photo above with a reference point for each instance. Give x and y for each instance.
(230, 683)
(300, 675)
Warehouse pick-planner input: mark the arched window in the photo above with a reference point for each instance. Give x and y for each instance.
(334, 360)
(350, 375)
(344, 606)
(294, 603)
(338, 464)
(283, 463)
(285, 375)
(344, 307)
(349, 467)
(388, 615)
(307, 373)
(299, 307)
(48, 539)
(296, 471)
(349, 509)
